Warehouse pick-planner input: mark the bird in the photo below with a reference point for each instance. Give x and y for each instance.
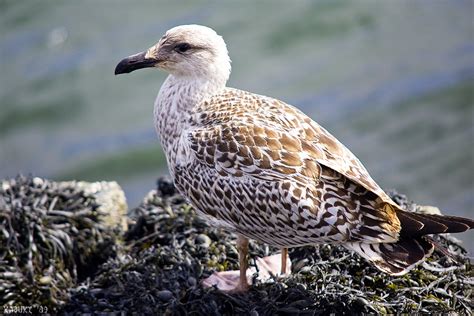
(262, 169)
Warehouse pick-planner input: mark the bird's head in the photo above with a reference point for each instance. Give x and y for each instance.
(184, 51)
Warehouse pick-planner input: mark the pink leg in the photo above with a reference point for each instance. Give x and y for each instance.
(238, 281)
(243, 248)
(284, 256)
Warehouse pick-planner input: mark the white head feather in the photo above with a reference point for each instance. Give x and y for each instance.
(192, 51)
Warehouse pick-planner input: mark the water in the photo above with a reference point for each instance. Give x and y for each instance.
(392, 80)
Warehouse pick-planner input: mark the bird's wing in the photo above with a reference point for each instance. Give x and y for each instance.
(250, 137)
(240, 133)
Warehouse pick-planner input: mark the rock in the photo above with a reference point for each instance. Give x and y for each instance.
(165, 186)
(174, 249)
(159, 267)
(192, 281)
(165, 295)
(53, 235)
(110, 197)
(203, 240)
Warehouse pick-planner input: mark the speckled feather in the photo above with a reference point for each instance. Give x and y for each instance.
(262, 168)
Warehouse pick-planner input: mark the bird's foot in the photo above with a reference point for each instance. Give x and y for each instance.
(229, 281)
(226, 281)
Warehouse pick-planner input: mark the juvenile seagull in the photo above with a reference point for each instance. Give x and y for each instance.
(264, 170)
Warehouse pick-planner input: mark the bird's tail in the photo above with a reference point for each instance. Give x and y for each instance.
(413, 246)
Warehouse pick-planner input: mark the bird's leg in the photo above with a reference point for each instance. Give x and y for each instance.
(243, 248)
(284, 255)
(233, 281)
(238, 281)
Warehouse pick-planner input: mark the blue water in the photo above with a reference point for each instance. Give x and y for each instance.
(392, 80)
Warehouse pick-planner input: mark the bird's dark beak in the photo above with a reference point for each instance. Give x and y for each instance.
(135, 62)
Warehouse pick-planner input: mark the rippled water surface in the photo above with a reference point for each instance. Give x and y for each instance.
(393, 80)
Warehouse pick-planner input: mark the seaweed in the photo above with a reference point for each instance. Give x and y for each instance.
(168, 249)
(52, 236)
(61, 248)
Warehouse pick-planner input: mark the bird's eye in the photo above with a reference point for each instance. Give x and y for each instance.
(182, 47)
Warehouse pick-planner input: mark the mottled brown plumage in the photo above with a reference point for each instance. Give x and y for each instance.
(263, 169)
(272, 169)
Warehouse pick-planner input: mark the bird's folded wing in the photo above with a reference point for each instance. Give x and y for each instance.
(243, 134)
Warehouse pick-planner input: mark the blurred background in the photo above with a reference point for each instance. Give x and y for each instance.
(393, 80)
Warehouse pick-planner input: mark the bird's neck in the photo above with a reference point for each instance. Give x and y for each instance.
(175, 102)
(180, 93)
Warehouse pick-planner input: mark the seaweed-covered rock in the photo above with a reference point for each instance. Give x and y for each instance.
(63, 247)
(168, 250)
(53, 235)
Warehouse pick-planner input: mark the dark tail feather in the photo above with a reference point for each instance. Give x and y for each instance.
(413, 247)
(416, 224)
(395, 258)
